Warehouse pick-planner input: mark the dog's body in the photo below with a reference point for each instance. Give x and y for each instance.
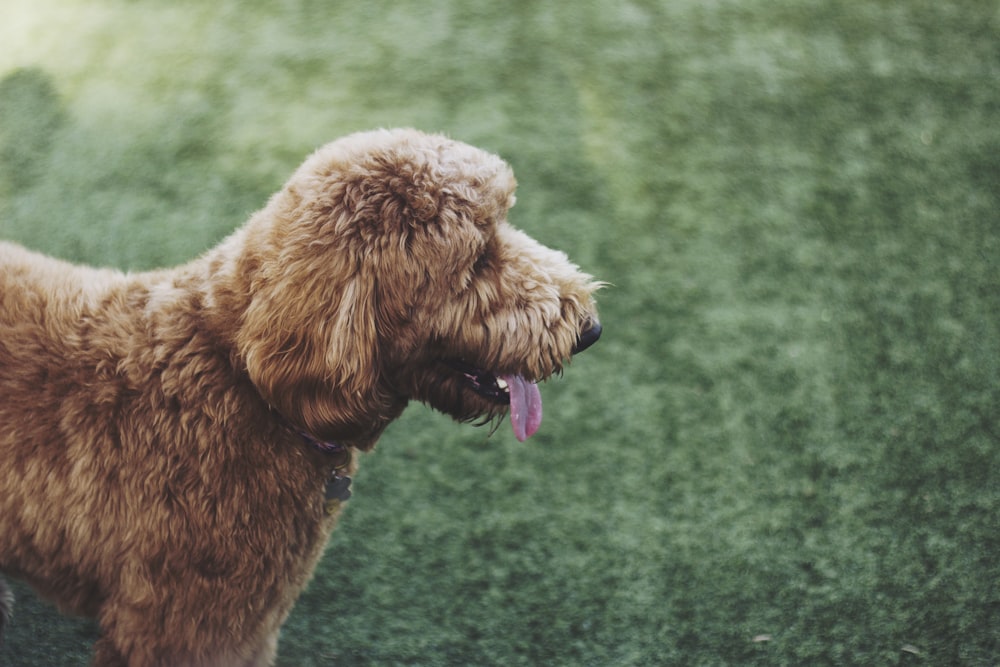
(144, 480)
(166, 438)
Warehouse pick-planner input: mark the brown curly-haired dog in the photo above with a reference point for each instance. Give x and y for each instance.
(175, 445)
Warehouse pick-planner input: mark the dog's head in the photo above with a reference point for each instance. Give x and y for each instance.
(385, 271)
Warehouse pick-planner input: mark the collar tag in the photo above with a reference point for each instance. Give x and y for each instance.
(338, 488)
(336, 493)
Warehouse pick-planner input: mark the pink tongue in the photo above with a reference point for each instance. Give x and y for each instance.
(525, 406)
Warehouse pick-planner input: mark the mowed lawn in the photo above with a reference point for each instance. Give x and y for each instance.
(785, 450)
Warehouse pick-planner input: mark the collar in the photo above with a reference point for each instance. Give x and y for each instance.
(322, 445)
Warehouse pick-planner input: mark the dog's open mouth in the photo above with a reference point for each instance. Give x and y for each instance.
(521, 395)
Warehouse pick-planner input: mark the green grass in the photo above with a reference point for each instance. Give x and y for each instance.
(786, 448)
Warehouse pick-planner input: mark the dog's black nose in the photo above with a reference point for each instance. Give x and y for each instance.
(588, 336)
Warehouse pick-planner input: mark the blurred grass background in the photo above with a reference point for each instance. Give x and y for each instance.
(786, 448)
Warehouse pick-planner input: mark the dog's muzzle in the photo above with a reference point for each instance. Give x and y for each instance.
(591, 332)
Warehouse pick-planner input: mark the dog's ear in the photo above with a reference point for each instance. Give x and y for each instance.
(308, 339)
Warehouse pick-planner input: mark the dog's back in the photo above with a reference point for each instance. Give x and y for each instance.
(32, 283)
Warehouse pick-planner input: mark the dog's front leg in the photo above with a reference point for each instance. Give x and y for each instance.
(106, 655)
(267, 653)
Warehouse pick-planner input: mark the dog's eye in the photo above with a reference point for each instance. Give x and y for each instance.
(483, 262)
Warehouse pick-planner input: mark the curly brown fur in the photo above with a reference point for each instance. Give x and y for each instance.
(159, 466)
